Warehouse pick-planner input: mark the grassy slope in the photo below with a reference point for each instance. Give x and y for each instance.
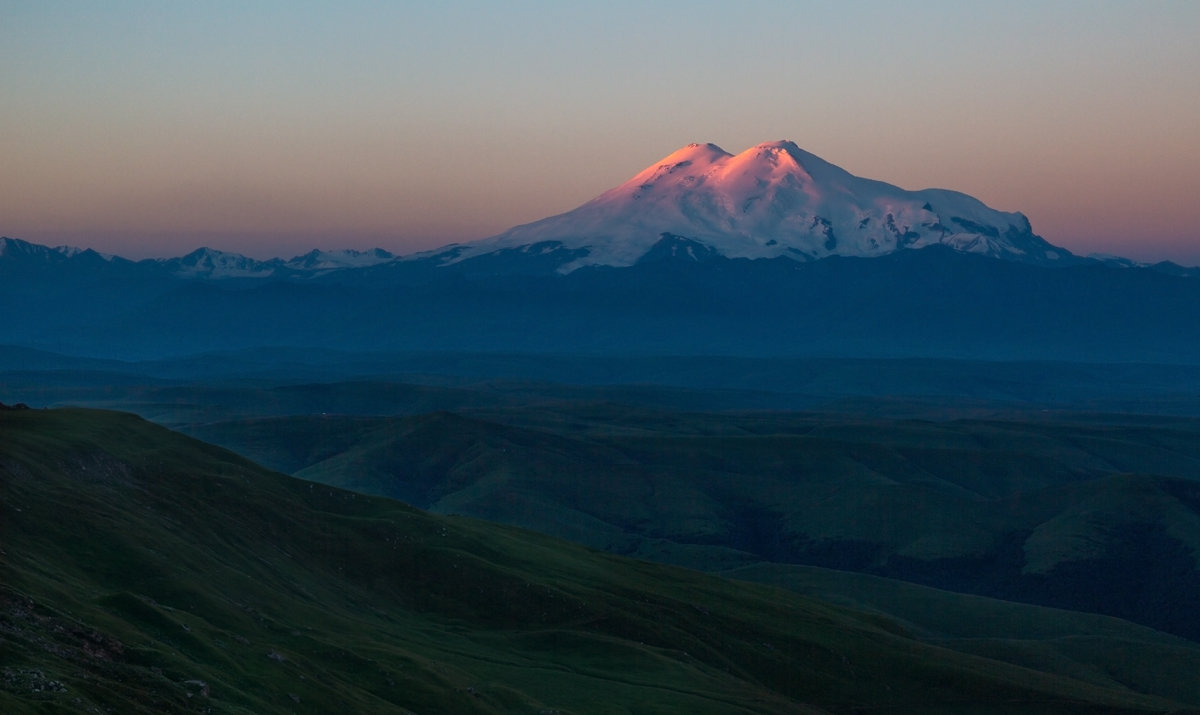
(1086, 646)
(962, 471)
(136, 560)
(1032, 510)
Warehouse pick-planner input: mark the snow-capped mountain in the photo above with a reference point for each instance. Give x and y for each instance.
(211, 263)
(771, 200)
(665, 272)
(72, 251)
(14, 249)
(317, 260)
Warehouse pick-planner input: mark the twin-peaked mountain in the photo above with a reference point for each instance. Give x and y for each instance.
(772, 251)
(772, 200)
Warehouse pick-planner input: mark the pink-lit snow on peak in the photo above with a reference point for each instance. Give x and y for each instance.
(771, 200)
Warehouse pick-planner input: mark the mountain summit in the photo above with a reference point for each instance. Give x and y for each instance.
(772, 200)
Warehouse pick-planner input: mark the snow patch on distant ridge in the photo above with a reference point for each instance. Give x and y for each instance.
(332, 260)
(211, 263)
(72, 251)
(1114, 260)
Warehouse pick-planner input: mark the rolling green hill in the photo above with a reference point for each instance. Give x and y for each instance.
(1083, 512)
(144, 571)
(1086, 646)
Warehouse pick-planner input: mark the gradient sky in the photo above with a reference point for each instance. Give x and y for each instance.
(269, 128)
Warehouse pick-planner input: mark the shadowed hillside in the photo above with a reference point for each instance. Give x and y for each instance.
(146, 572)
(1086, 512)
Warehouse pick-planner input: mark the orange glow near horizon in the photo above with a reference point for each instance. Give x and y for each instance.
(274, 130)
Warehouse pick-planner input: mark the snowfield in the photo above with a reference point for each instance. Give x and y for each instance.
(772, 200)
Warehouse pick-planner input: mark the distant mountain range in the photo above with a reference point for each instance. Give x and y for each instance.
(774, 200)
(200, 263)
(773, 251)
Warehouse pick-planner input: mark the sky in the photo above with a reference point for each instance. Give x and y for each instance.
(270, 128)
